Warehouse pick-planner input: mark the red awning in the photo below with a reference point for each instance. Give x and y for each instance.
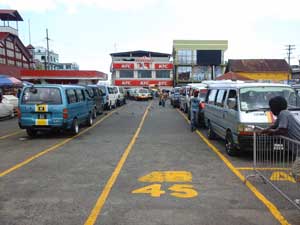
(63, 74)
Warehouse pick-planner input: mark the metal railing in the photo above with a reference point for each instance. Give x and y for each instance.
(276, 159)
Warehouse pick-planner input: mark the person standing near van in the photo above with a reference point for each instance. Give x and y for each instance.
(194, 109)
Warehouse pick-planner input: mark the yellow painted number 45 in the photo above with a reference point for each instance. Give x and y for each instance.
(177, 190)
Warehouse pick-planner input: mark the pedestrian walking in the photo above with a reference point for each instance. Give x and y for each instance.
(194, 109)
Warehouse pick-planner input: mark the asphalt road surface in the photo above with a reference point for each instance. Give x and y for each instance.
(138, 165)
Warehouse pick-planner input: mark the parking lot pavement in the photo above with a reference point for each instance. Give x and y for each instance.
(9, 127)
(172, 177)
(61, 186)
(140, 165)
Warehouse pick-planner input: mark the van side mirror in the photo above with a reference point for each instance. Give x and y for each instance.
(232, 104)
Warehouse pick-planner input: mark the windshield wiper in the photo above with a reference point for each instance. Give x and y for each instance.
(258, 109)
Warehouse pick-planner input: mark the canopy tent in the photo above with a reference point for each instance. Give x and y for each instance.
(6, 81)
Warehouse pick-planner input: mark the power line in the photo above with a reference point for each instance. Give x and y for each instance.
(289, 49)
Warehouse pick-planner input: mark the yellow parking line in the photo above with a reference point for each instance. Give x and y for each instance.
(272, 208)
(11, 134)
(54, 147)
(271, 168)
(102, 198)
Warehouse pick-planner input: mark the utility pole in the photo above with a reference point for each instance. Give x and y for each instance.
(47, 38)
(29, 32)
(289, 49)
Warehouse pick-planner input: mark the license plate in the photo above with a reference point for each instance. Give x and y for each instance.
(42, 116)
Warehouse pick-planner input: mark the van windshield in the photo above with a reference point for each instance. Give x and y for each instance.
(257, 98)
(143, 91)
(41, 95)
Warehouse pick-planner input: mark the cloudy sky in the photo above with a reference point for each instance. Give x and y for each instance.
(86, 31)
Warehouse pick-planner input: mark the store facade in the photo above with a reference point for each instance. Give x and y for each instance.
(197, 60)
(142, 69)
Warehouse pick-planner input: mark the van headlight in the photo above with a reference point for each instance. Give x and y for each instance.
(245, 128)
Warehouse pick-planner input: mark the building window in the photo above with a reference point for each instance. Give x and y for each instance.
(19, 64)
(184, 72)
(2, 60)
(10, 53)
(9, 45)
(185, 56)
(126, 74)
(144, 74)
(25, 65)
(18, 55)
(163, 74)
(2, 52)
(10, 62)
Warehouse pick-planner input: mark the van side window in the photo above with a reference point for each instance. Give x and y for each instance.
(71, 96)
(220, 98)
(110, 90)
(79, 95)
(212, 96)
(232, 97)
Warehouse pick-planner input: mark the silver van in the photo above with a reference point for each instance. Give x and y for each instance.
(230, 109)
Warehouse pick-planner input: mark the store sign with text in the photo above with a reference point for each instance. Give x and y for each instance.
(123, 66)
(143, 82)
(163, 66)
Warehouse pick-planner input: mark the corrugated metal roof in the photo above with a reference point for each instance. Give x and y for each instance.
(140, 53)
(257, 65)
(232, 76)
(10, 15)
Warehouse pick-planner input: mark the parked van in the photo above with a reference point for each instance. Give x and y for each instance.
(230, 109)
(185, 98)
(120, 95)
(96, 94)
(109, 96)
(54, 107)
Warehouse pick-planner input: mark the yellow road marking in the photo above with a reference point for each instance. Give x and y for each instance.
(167, 176)
(102, 198)
(54, 147)
(281, 176)
(267, 168)
(11, 134)
(272, 208)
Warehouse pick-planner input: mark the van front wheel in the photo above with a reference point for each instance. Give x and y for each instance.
(90, 120)
(210, 132)
(75, 127)
(229, 145)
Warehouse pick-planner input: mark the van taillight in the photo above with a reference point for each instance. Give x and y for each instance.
(65, 114)
(201, 105)
(18, 112)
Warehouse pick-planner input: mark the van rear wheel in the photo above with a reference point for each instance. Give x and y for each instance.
(229, 145)
(31, 132)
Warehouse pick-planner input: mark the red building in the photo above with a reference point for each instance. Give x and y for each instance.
(14, 56)
(141, 69)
